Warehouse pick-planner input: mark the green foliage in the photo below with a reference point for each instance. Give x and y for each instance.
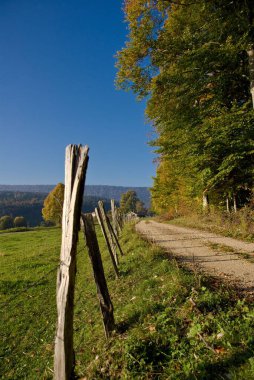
(53, 205)
(20, 221)
(130, 202)
(197, 79)
(6, 222)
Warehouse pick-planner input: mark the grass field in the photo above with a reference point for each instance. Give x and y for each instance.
(171, 324)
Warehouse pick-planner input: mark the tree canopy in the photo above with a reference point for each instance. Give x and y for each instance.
(130, 202)
(191, 61)
(53, 205)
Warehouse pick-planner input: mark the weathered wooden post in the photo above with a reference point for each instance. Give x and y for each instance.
(104, 232)
(115, 222)
(120, 218)
(76, 161)
(114, 236)
(106, 305)
(106, 224)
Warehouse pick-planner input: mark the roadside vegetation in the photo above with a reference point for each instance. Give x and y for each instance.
(239, 225)
(171, 324)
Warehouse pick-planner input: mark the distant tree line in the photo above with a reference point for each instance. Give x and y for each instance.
(30, 206)
(53, 205)
(46, 209)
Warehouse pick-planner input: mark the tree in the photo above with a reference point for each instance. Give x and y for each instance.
(6, 222)
(197, 78)
(130, 202)
(20, 221)
(140, 208)
(53, 205)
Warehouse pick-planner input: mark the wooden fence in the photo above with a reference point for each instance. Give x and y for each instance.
(76, 162)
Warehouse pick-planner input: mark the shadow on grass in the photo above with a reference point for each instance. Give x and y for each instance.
(125, 272)
(14, 289)
(138, 316)
(220, 369)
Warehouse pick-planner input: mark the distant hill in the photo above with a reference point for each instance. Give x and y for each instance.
(103, 191)
(27, 200)
(29, 205)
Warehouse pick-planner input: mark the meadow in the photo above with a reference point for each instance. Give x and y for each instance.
(170, 323)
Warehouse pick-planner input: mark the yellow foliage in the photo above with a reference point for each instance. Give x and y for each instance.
(53, 205)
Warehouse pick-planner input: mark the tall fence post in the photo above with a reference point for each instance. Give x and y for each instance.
(106, 305)
(76, 161)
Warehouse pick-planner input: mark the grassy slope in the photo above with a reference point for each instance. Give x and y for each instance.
(170, 324)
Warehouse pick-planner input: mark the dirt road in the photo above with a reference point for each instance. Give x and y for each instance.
(205, 251)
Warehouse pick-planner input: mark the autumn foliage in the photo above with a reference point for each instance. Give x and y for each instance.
(190, 61)
(53, 205)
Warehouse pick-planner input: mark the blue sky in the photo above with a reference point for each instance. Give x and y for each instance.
(57, 87)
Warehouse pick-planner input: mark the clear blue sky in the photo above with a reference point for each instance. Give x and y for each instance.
(57, 87)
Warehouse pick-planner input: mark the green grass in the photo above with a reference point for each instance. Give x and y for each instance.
(170, 324)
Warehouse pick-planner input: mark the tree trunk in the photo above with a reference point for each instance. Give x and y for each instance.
(251, 72)
(235, 203)
(250, 50)
(227, 204)
(205, 202)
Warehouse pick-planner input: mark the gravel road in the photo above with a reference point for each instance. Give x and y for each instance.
(204, 251)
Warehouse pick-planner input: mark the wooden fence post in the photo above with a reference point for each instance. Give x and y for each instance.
(76, 161)
(106, 305)
(115, 222)
(104, 232)
(120, 218)
(111, 229)
(106, 224)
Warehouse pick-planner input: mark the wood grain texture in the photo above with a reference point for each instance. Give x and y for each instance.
(76, 160)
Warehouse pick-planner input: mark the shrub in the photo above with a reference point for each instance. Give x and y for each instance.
(6, 222)
(20, 221)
